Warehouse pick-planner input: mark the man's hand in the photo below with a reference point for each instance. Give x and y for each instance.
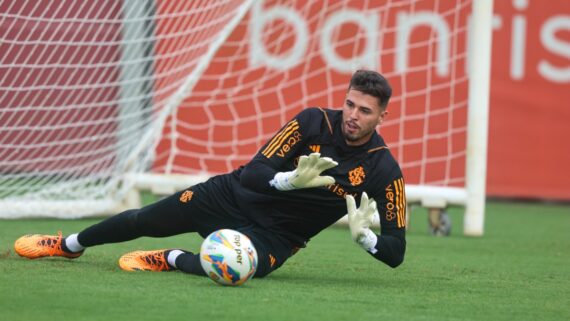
(359, 221)
(306, 175)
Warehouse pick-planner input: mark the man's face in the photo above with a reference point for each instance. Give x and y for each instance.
(360, 116)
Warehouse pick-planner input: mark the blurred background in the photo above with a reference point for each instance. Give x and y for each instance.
(92, 95)
(530, 101)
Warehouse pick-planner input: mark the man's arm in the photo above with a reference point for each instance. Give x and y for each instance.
(389, 246)
(391, 249)
(256, 176)
(260, 175)
(273, 168)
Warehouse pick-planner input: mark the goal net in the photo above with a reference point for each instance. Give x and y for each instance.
(97, 97)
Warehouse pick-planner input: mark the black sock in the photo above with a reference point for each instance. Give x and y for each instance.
(189, 262)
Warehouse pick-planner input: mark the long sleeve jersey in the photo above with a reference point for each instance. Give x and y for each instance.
(300, 214)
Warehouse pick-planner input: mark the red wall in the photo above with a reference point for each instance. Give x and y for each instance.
(529, 148)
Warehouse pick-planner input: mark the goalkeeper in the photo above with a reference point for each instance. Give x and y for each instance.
(320, 166)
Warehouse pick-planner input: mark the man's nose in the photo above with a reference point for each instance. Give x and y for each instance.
(354, 113)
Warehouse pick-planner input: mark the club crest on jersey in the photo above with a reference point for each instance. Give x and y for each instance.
(356, 176)
(186, 196)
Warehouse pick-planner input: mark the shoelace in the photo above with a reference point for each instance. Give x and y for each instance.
(53, 244)
(156, 260)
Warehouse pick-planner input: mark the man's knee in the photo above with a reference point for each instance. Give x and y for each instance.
(143, 222)
(267, 263)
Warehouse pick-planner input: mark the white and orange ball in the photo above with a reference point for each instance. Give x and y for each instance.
(228, 257)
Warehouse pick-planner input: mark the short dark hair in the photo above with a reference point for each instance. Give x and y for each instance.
(372, 83)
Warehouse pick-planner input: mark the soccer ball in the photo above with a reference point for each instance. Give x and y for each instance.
(228, 257)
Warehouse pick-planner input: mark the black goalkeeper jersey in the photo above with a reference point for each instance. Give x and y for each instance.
(300, 214)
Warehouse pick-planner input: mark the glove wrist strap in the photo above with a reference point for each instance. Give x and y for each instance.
(281, 181)
(368, 241)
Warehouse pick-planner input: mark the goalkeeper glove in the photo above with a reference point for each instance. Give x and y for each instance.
(306, 175)
(359, 221)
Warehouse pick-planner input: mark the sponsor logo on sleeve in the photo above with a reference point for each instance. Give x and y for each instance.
(282, 143)
(289, 143)
(390, 214)
(396, 202)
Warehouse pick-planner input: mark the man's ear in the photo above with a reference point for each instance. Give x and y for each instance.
(383, 115)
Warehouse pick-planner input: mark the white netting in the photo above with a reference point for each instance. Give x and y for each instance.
(290, 55)
(85, 87)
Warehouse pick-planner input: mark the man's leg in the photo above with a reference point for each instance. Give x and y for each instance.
(272, 252)
(161, 219)
(186, 262)
(204, 208)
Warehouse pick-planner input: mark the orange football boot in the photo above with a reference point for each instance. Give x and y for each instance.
(145, 261)
(35, 246)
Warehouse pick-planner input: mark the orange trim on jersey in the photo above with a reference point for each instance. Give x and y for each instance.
(278, 140)
(327, 119)
(315, 148)
(400, 202)
(377, 148)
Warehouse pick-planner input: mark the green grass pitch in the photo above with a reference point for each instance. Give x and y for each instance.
(520, 270)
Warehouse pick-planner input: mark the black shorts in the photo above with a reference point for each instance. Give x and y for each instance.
(205, 208)
(272, 251)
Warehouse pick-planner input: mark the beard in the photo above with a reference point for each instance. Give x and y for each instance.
(359, 136)
(351, 137)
